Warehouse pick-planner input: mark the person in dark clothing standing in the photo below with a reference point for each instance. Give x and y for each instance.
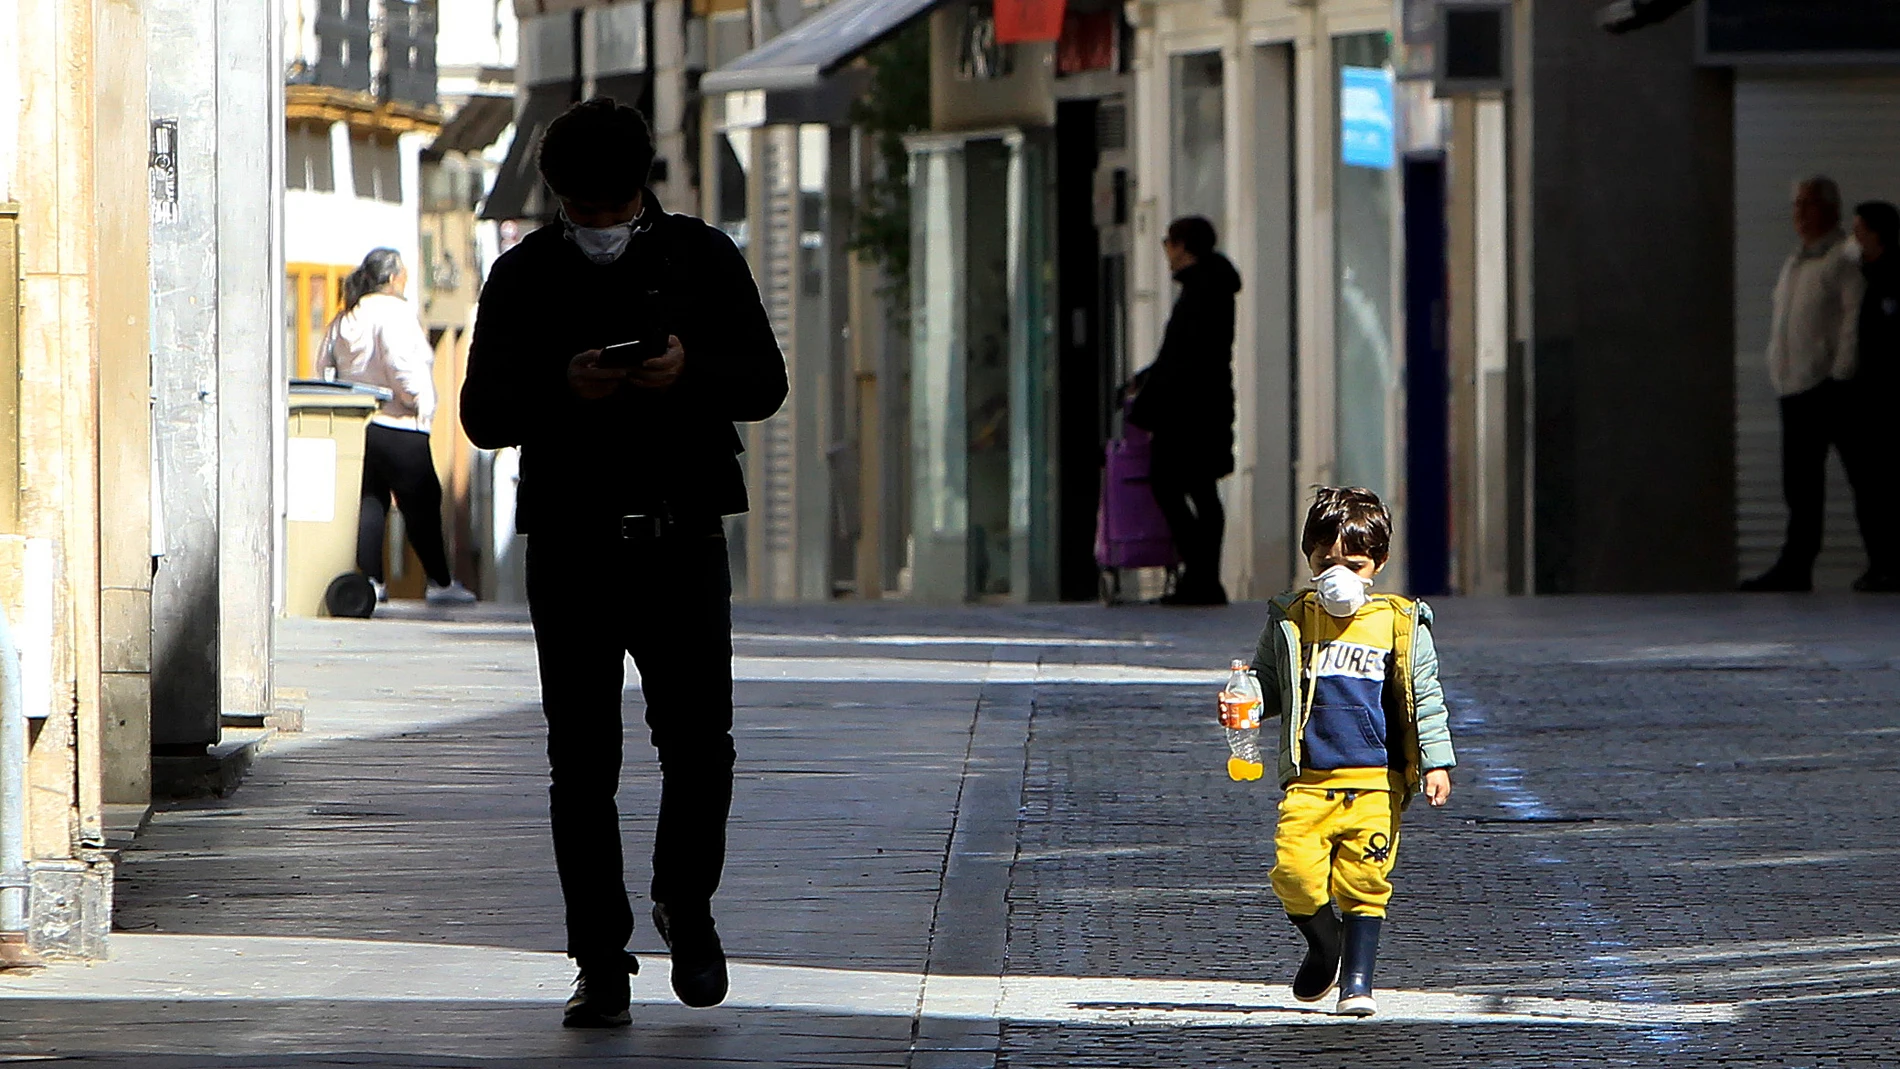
(1186, 400)
(628, 464)
(1874, 389)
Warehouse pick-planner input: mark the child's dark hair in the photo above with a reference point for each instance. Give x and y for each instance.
(1351, 514)
(598, 152)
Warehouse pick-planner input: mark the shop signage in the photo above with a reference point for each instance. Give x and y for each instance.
(1028, 21)
(1366, 118)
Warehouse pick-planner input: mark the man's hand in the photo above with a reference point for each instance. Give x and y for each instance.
(589, 380)
(661, 371)
(1438, 786)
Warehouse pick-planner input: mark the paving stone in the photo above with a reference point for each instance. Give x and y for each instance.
(1003, 836)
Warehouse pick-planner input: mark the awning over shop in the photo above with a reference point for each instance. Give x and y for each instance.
(527, 9)
(475, 126)
(803, 56)
(517, 192)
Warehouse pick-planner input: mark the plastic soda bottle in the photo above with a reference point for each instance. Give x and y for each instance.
(1240, 715)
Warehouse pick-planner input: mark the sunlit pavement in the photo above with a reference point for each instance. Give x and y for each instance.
(1002, 837)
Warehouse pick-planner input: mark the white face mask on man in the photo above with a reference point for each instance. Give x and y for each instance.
(1342, 592)
(601, 244)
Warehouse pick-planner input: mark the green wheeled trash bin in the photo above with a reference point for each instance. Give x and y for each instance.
(324, 488)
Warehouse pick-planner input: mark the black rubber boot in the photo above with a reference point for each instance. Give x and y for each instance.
(602, 993)
(699, 962)
(1355, 967)
(1321, 967)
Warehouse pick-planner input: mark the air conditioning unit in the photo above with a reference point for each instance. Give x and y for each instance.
(1472, 52)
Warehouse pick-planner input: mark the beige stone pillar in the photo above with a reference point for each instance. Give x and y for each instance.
(121, 273)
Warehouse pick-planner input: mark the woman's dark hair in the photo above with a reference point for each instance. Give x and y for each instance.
(378, 269)
(1351, 514)
(1884, 220)
(598, 151)
(1194, 234)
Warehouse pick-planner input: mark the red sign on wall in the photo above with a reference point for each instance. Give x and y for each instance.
(1026, 21)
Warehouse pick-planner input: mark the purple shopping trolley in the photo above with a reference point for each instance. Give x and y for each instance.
(1130, 531)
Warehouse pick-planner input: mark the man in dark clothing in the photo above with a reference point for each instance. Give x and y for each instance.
(628, 464)
(1811, 354)
(1874, 389)
(1186, 400)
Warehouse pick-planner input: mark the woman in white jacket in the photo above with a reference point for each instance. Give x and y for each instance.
(377, 340)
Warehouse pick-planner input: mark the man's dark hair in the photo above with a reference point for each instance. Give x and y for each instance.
(599, 151)
(1884, 220)
(1194, 234)
(1351, 514)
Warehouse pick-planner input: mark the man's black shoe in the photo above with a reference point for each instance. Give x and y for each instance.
(1320, 970)
(699, 962)
(1777, 581)
(601, 993)
(1878, 581)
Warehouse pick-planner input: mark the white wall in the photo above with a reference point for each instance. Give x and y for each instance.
(339, 228)
(475, 33)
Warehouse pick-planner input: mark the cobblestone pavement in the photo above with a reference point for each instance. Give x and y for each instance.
(1002, 837)
(1682, 806)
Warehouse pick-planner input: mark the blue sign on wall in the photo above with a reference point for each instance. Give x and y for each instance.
(1367, 121)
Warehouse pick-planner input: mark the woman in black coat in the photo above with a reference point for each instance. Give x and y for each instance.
(1186, 400)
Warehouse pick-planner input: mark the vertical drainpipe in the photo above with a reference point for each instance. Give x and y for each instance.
(12, 785)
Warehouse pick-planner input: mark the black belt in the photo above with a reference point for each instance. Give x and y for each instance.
(641, 527)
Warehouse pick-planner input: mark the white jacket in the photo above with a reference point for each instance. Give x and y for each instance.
(1815, 332)
(381, 343)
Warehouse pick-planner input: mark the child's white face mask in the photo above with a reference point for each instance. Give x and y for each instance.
(1342, 593)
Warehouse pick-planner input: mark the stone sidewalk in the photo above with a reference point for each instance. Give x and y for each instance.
(1000, 836)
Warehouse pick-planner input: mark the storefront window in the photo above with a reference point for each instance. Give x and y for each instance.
(1365, 195)
(1200, 149)
(981, 447)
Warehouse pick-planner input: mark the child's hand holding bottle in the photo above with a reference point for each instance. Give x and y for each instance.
(1240, 702)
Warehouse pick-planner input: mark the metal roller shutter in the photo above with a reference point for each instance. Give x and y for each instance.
(1788, 126)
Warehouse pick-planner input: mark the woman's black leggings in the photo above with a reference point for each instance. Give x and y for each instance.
(398, 462)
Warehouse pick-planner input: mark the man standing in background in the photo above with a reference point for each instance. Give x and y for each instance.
(1874, 390)
(1812, 345)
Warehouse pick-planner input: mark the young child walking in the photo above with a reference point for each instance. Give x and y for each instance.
(1353, 677)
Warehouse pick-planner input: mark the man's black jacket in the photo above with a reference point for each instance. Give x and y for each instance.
(1186, 396)
(1879, 354)
(586, 463)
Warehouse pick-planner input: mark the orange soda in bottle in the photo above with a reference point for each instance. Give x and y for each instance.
(1240, 702)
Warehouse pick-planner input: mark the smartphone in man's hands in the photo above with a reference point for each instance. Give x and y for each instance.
(631, 354)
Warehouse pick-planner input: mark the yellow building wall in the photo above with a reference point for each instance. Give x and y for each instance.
(83, 289)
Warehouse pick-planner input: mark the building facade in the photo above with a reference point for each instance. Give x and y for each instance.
(75, 499)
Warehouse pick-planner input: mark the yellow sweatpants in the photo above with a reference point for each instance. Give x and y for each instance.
(1335, 843)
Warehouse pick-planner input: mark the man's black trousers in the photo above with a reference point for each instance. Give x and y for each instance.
(1831, 414)
(1195, 518)
(668, 602)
